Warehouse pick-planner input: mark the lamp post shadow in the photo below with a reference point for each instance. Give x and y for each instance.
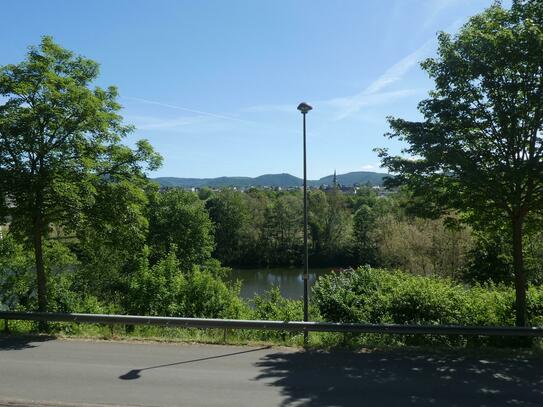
(136, 373)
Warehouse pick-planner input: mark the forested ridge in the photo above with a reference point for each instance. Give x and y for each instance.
(273, 180)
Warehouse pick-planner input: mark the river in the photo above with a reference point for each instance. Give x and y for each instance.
(289, 280)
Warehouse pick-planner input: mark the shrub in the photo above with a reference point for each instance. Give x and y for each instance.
(208, 296)
(379, 296)
(167, 290)
(427, 301)
(272, 306)
(353, 297)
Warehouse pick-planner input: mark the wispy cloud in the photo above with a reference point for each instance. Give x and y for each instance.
(436, 8)
(373, 93)
(155, 123)
(186, 109)
(377, 93)
(352, 104)
(397, 71)
(284, 108)
(199, 118)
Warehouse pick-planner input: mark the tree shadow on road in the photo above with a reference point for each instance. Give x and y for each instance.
(20, 342)
(404, 377)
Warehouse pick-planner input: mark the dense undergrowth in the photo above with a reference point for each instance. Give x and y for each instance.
(366, 296)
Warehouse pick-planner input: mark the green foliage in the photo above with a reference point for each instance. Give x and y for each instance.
(422, 246)
(478, 149)
(207, 296)
(228, 212)
(487, 81)
(378, 296)
(167, 289)
(350, 297)
(330, 227)
(265, 228)
(427, 302)
(158, 290)
(17, 279)
(272, 306)
(490, 258)
(178, 219)
(60, 145)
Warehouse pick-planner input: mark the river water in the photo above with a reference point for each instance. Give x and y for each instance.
(289, 280)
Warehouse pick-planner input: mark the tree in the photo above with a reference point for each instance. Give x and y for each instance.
(115, 228)
(179, 220)
(59, 145)
(228, 211)
(364, 223)
(480, 147)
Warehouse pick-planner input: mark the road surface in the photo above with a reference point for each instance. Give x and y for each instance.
(50, 372)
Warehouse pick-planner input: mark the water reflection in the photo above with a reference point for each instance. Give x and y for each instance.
(289, 280)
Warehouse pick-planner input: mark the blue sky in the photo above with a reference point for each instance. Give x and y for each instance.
(214, 85)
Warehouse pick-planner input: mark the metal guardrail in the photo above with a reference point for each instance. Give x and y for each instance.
(273, 325)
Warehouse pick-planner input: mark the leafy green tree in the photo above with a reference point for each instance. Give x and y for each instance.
(421, 246)
(480, 147)
(338, 229)
(254, 242)
(364, 223)
(330, 227)
(318, 209)
(287, 215)
(60, 142)
(228, 212)
(178, 219)
(115, 228)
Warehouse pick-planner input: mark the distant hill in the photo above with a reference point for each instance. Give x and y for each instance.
(273, 180)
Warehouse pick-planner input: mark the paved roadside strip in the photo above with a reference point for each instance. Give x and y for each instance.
(132, 373)
(85, 373)
(33, 403)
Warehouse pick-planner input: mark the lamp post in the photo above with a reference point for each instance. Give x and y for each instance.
(304, 108)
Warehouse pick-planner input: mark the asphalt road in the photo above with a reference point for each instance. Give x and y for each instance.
(48, 372)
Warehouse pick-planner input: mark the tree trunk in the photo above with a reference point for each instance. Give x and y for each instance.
(520, 276)
(40, 268)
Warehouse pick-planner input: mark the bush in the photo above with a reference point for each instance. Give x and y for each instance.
(353, 297)
(427, 301)
(378, 296)
(17, 279)
(166, 290)
(272, 306)
(208, 296)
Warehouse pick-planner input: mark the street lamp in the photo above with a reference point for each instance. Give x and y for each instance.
(304, 108)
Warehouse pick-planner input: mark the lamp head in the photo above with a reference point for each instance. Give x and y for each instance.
(304, 107)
